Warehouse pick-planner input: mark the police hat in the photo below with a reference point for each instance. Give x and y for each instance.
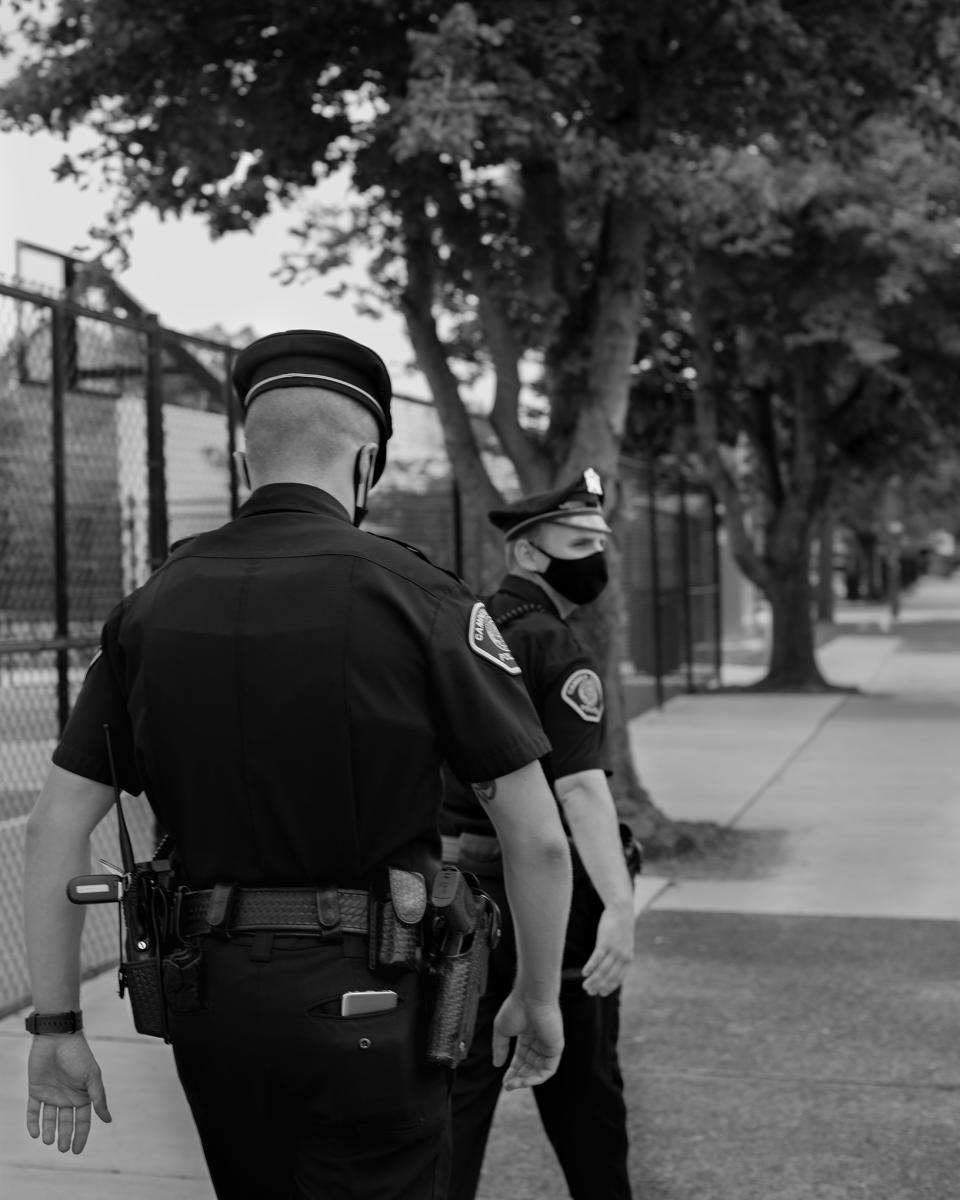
(315, 358)
(563, 506)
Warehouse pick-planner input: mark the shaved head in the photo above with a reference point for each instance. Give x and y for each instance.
(294, 433)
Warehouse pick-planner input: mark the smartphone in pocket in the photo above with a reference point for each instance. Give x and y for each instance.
(352, 1004)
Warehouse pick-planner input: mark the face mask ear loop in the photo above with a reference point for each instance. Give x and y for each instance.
(361, 489)
(240, 462)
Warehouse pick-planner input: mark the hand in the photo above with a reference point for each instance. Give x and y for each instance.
(607, 965)
(538, 1029)
(64, 1079)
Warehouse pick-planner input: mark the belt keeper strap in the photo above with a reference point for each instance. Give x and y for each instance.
(328, 908)
(220, 906)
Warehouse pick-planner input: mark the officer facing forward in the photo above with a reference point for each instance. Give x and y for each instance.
(555, 545)
(285, 689)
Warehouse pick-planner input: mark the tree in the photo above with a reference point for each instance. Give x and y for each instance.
(508, 156)
(816, 287)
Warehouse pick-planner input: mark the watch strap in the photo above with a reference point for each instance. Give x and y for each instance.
(63, 1022)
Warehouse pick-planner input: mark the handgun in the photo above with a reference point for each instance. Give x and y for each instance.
(455, 908)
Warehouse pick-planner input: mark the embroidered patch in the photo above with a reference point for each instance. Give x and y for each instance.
(486, 640)
(583, 691)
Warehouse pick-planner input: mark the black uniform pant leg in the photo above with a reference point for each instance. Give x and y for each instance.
(294, 1102)
(582, 1107)
(477, 1082)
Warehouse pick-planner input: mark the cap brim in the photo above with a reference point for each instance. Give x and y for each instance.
(590, 519)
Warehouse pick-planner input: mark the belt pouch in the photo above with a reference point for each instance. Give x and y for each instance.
(396, 941)
(144, 982)
(181, 979)
(459, 982)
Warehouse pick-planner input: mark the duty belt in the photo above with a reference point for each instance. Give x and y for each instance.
(235, 910)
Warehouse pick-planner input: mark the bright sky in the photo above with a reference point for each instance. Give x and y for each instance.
(176, 270)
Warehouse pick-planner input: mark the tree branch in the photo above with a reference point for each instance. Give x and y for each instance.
(706, 418)
(417, 305)
(531, 463)
(613, 332)
(762, 433)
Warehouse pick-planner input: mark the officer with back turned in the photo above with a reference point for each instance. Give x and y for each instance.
(284, 689)
(555, 552)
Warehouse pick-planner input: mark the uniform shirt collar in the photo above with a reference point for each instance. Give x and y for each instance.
(292, 497)
(526, 589)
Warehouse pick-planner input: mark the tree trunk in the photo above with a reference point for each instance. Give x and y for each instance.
(825, 600)
(602, 627)
(793, 662)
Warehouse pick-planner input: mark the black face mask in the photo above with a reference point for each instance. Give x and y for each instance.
(580, 580)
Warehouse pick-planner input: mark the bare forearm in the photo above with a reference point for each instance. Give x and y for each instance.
(592, 818)
(53, 925)
(538, 885)
(537, 875)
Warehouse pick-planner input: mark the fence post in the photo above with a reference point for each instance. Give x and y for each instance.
(717, 590)
(684, 555)
(230, 407)
(457, 527)
(60, 565)
(655, 583)
(156, 463)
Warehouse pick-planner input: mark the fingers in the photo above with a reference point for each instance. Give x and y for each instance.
(605, 978)
(65, 1127)
(33, 1117)
(48, 1124)
(501, 1048)
(531, 1065)
(81, 1129)
(98, 1095)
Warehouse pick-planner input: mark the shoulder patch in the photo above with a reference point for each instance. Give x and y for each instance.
(485, 639)
(583, 691)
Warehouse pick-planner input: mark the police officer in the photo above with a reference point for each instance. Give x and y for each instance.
(555, 551)
(285, 689)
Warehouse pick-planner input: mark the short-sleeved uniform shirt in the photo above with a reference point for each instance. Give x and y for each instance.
(564, 684)
(285, 689)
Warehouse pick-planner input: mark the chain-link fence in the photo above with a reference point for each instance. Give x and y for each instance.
(115, 436)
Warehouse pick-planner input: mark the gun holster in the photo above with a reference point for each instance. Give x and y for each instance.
(459, 973)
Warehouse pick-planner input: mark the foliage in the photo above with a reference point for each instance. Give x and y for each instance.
(519, 166)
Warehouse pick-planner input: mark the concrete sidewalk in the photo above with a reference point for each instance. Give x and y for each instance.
(789, 1028)
(788, 1032)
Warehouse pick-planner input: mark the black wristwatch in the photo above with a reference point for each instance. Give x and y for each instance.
(64, 1022)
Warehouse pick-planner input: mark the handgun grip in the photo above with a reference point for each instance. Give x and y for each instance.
(445, 884)
(94, 889)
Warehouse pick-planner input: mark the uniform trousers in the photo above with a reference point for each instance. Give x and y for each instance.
(293, 1101)
(581, 1106)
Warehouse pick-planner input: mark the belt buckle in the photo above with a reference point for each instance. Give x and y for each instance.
(328, 911)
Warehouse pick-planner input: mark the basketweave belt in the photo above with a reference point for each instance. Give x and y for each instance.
(233, 910)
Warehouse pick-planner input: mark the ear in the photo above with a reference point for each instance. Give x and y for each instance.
(525, 554)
